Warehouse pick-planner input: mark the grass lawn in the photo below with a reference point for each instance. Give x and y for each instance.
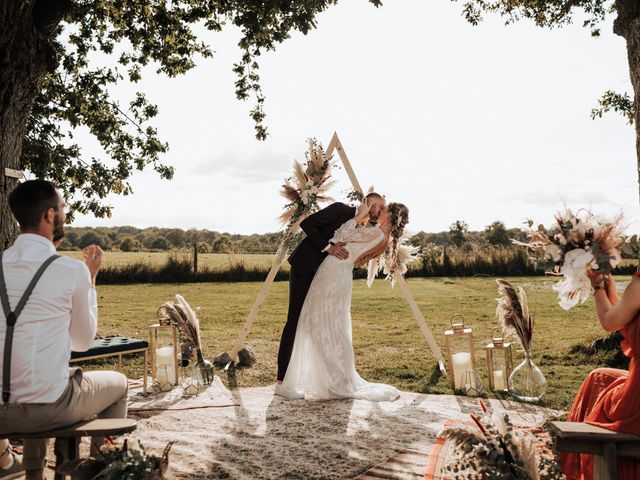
(388, 344)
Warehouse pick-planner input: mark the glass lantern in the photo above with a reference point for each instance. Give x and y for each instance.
(499, 363)
(461, 354)
(164, 356)
(191, 381)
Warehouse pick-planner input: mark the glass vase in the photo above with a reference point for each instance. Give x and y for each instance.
(526, 382)
(203, 369)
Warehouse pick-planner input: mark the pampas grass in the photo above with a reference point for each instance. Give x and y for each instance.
(513, 313)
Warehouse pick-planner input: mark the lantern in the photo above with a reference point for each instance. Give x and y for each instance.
(499, 363)
(191, 381)
(164, 355)
(461, 354)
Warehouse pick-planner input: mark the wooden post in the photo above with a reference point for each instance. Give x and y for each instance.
(266, 286)
(195, 259)
(335, 144)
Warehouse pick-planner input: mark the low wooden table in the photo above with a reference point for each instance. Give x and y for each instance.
(68, 439)
(605, 445)
(115, 346)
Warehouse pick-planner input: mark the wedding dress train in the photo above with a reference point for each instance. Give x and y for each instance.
(322, 362)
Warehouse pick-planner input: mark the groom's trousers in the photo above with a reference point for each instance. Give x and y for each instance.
(299, 284)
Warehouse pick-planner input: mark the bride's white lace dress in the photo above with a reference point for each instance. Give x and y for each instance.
(322, 363)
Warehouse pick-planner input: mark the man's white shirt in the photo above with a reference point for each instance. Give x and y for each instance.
(60, 315)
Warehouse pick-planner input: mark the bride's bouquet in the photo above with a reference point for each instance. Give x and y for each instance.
(577, 242)
(305, 188)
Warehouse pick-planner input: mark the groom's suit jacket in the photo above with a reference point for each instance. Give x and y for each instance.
(319, 228)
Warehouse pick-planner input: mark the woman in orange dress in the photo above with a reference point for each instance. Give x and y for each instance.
(610, 398)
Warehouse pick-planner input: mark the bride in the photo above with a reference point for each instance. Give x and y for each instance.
(322, 362)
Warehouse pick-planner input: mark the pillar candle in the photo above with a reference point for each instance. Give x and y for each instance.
(165, 365)
(461, 363)
(498, 380)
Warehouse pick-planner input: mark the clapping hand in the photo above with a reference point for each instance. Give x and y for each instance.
(93, 260)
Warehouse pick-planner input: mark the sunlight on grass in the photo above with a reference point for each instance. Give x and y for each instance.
(387, 341)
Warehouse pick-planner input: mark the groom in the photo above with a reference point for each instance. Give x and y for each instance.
(308, 256)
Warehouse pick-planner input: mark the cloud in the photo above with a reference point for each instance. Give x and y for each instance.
(575, 199)
(259, 166)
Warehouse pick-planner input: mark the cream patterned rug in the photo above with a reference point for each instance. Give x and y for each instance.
(248, 433)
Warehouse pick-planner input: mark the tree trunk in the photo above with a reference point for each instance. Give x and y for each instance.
(26, 56)
(627, 25)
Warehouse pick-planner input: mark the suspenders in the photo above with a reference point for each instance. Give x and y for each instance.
(12, 317)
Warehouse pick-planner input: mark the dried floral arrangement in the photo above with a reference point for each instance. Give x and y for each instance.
(577, 242)
(394, 261)
(513, 313)
(498, 451)
(305, 188)
(119, 463)
(181, 314)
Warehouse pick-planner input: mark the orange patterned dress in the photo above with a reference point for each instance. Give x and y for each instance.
(609, 398)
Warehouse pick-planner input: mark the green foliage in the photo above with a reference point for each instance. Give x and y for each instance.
(458, 231)
(130, 37)
(160, 243)
(93, 238)
(497, 234)
(548, 14)
(619, 103)
(130, 244)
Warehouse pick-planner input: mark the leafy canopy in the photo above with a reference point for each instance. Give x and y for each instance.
(133, 35)
(557, 13)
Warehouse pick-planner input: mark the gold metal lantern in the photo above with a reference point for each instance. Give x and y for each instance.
(499, 363)
(164, 356)
(461, 355)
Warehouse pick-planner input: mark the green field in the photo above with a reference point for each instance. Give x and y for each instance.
(214, 261)
(388, 344)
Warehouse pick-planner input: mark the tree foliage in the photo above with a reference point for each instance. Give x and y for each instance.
(103, 43)
(458, 232)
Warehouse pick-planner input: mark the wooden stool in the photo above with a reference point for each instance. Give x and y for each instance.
(68, 439)
(605, 445)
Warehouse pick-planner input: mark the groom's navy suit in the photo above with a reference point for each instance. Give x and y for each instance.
(304, 261)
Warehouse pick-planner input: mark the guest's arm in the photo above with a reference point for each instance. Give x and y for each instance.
(615, 312)
(84, 312)
(84, 309)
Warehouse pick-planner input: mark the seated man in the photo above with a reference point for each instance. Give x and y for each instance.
(40, 391)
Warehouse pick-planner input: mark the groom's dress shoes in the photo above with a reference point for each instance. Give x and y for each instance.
(281, 391)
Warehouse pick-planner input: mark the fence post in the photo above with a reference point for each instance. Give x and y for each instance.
(195, 259)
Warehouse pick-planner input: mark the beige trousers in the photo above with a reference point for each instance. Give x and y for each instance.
(87, 395)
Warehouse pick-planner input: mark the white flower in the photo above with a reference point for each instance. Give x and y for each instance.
(573, 290)
(576, 286)
(553, 251)
(576, 260)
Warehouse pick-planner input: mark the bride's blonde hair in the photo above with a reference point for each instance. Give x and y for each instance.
(389, 244)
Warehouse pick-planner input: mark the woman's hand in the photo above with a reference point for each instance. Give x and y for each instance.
(597, 279)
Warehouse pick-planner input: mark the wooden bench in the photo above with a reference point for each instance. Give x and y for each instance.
(68, 439)
(115, 346)
(605, 445)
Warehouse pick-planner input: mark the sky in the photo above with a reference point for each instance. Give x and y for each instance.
(458, 122)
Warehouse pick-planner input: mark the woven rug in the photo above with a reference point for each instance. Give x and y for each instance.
(444, 452)
(248, 433)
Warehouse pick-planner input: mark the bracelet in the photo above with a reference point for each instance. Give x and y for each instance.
(597, 287)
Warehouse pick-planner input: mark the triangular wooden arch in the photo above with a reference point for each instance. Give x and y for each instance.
(335, 144)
